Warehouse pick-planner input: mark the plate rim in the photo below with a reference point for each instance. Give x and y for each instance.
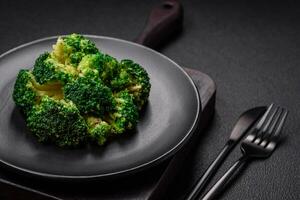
(130, 170)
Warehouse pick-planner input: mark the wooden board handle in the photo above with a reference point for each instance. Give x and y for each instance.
(165, 20)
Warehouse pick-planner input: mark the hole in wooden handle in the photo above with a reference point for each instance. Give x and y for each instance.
(167, 5)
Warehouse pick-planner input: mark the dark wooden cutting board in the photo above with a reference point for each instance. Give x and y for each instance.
(14, 186)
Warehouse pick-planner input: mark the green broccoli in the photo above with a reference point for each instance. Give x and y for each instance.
(98, 129)
(135, 79)
(89, 65)
(76, 94)
(108, 68)
(27, 92)
(72, 48)
(126, 113)
(46, 69)
(89, 95)
(24, 93)
(57, 121)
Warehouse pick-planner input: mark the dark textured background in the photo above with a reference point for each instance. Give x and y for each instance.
(251, 50)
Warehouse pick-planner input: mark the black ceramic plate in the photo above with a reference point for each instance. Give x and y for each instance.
(166, 122)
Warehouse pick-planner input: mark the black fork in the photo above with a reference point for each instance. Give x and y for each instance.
(260, 143)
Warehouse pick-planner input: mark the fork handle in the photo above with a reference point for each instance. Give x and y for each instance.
(210, 171)
(222, 182)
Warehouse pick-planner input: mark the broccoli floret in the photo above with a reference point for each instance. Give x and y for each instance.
(57, 121)
(24, 93)
(72, 48)
(89, 65)
(98, 129)
(90, 95)
(126, 113)
(135, 79)
(27, 92)
(46, 69)
(108, 68)
(80, 43)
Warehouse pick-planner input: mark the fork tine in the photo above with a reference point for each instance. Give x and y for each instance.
(270, 131)
(266, 126)
(270, 120)
(263, 118)
(281, 123)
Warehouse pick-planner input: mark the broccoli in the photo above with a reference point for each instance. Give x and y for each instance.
(135, 79)
(126, 113)
(89, 65)
(72, 48)
(27, 92)
(76, 94)
(124, 117)
(57, 121)
(98, 129)
(89, 95)
(46, 69)
(24, 93)
(108, 68)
